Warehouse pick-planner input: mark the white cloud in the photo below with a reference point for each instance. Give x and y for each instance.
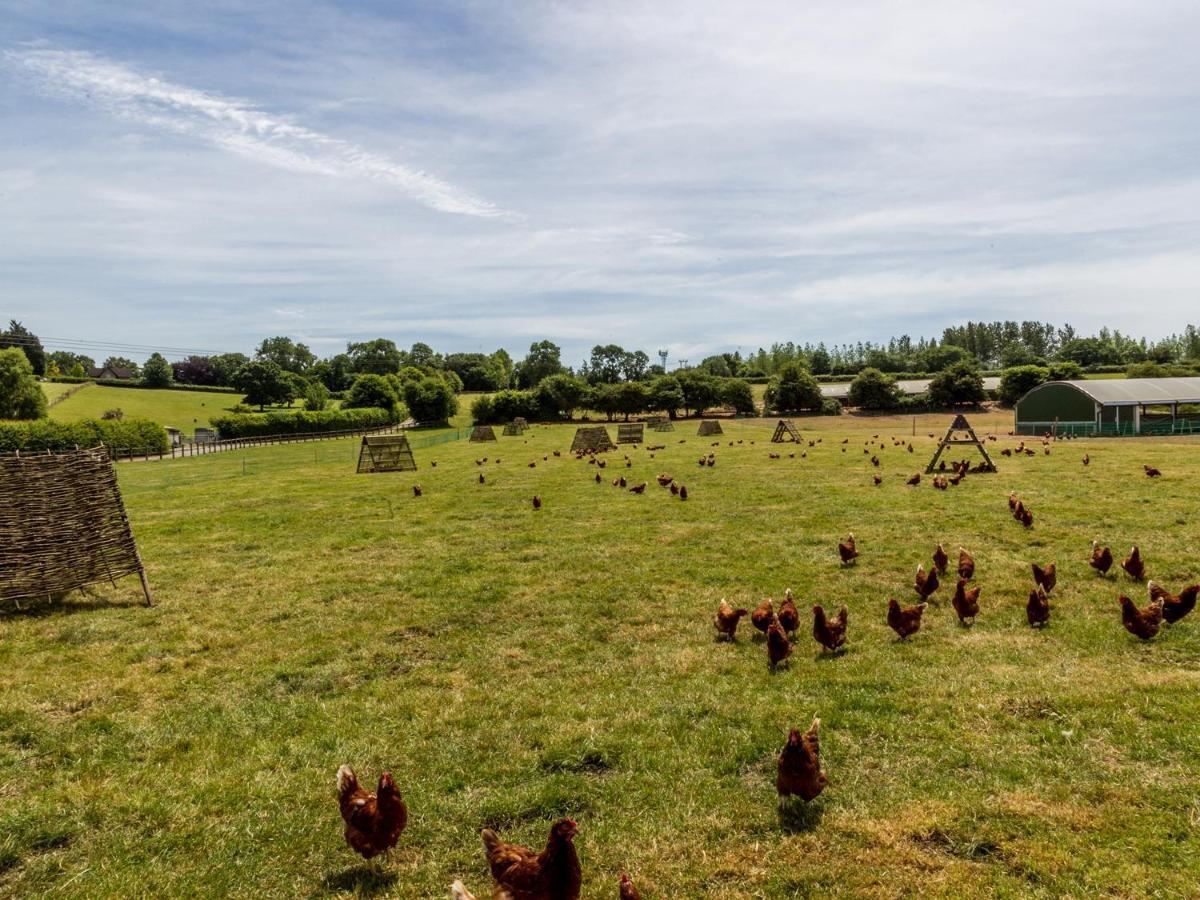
(234, 125)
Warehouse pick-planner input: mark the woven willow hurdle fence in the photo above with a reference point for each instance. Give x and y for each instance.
(62, 525)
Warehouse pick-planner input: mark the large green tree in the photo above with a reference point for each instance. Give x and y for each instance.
(17, 335)
(430, 400)
(377, 357)
(225, 367)
(561, 394)
(66, 360)
(666, 394)
(958, 384)
(263, 382)
(157, 372)
(794, 389)
(21, 397)
(1016, 381)
(287, 354)
(543, 360)
(872, 389)
(372, 390)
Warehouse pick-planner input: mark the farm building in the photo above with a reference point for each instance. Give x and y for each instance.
(1112, 407)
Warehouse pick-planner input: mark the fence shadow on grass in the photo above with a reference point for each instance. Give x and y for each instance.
(362, 881)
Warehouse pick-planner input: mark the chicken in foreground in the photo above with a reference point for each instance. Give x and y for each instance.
(799, 769)
(829, 633)
(1133, 564)
(727, 620)
(521, 874)
(1142, 623)
(1175, 606)
(847, 550)
(458, 891)
(1102, 558)
(965, 602)
(1037, 608)
(373, 820)
(905, 620)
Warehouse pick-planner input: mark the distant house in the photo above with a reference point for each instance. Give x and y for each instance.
(116, 372)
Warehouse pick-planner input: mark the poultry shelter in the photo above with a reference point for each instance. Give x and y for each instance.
(1111, 407)
(62, 525)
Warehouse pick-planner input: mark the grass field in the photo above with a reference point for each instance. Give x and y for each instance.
(185, 410)
(53, 390)
(512, 666)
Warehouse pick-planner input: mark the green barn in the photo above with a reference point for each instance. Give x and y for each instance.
(1114, 406)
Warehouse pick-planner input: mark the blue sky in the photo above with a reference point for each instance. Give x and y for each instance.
(693, 176)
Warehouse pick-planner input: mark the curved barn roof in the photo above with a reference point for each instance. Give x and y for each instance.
(1132, 391)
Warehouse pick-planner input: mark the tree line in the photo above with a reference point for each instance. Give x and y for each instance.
(615, 381)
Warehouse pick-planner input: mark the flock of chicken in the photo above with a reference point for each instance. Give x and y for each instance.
(780, 625)
(374, 820)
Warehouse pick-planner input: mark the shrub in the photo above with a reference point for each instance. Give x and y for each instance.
(871, 389)
(302, 422)
(957, 384)
(831, 406)
(794, 389)
(1019, 380)
(913, 403)
(371, 392)
(430, 400)
(1070, 371)
(736, 393)
(139, 436)
(561, 394)
(481, 410)
(113, 414)
(504, 406)
(21, 397)
(316, 397)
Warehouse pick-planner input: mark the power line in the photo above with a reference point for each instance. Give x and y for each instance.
(76, 345)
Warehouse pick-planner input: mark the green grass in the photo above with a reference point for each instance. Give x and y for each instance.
(53, 390)
(185, 410)
(510, 667)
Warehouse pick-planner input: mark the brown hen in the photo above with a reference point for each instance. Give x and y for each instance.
(1143, 623)
(373, 820)
(799, 769)
(521, 874)
(727, 620)
(1175, 606)
(905, 620)
(830, 633)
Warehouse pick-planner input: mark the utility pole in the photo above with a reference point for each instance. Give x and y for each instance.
(662, 355)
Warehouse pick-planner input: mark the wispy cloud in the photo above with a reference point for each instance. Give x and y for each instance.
(234, 125)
